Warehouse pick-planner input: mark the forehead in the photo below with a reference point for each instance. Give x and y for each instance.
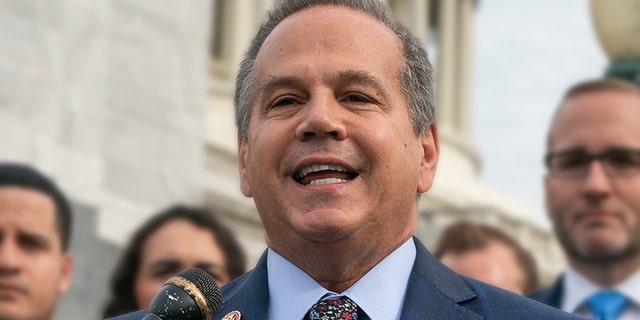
(180, 237)
(597, 120)
(26, 207)
(327, 36)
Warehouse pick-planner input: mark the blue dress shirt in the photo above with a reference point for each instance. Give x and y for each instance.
(380, 293)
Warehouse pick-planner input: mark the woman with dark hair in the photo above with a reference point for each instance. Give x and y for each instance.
(175, 239)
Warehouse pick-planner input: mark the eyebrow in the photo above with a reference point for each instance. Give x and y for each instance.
(275, 82)
(163, 263)
(34, 237)
(358, 77)
(581, 149)
(344, 77)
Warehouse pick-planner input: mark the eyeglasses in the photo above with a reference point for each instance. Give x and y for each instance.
(575, 163)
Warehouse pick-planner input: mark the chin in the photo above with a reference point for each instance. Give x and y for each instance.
(326, 234)
(603, 252)
(14, 312)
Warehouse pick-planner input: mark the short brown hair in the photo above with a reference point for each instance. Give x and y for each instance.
(591, 86)
(601, 84)
(465, 236)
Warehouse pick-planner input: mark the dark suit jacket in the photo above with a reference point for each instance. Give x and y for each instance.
(433, 292)
(551, 296)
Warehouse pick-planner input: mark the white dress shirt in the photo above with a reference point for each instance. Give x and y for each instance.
(577, 289)
(380, 293)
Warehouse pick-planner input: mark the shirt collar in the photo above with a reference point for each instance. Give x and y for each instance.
(292, 292)
(578, 288)
(631, 288)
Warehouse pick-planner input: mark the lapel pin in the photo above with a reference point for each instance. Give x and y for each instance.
(233, 315)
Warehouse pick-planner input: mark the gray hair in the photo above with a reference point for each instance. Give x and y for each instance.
(416, 76)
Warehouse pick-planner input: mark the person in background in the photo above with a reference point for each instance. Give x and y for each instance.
(487, 254)
(35, 229)
(592, 191)
(337, 140)
(175, 239)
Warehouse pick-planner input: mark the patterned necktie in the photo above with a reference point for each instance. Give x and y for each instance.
(334, 308)
(607, 305)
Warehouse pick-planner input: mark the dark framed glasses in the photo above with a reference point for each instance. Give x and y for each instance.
(575, 163)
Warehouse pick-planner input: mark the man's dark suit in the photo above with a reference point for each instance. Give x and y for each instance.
(551, 296)
(434, 292)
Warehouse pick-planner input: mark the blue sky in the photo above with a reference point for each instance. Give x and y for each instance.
(527, 53)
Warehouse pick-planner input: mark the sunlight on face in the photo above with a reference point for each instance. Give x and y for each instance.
(331, 152)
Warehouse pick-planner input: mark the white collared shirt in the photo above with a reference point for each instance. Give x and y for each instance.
(379, 293)
(577, 289)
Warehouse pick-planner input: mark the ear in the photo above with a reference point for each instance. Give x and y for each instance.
(242, 167)
(66, 272)
(430, 153)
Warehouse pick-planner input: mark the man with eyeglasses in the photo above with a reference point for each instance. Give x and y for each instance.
(592, 191)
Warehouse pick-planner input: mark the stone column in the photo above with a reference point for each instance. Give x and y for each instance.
(465, 69)
(446, 65)
(415, 15)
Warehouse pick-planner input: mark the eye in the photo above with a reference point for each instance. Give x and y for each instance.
(216, 271)
(284, 101)
(622, 159)
(571, 160)
(164, 272)
(32, 242)
(216, 276)
(357, 98)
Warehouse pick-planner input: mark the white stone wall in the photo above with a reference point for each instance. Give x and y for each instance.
(108, 98)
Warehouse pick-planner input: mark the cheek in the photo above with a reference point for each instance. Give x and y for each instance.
(628, 194)
(45, 282)
(145, 289)
(630, 202)
(560, 196)
(265, 151)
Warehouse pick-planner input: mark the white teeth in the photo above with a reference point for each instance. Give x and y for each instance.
(326, 181)
(319, 167)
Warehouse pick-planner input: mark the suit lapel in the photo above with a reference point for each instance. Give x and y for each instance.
(550, 296)
(556, 293)
(248, 294)
(434, 291)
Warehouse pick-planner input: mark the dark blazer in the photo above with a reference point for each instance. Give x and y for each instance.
(551, 296)
(433, 292)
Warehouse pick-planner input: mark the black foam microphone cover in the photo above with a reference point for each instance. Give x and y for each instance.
(191, 295)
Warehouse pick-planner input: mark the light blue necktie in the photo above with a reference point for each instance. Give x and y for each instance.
(607, 304)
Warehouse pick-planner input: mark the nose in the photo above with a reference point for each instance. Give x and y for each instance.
(9, 256)
(323, 117)
(597, 184)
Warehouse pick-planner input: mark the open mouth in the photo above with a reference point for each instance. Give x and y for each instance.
(320, 174)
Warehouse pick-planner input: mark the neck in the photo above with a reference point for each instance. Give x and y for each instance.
(608, 274)
(338, 265)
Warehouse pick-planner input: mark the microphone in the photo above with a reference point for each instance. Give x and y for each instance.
(192, 294)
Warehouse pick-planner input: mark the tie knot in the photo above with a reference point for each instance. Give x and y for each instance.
(334, 308)
(607, 304)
